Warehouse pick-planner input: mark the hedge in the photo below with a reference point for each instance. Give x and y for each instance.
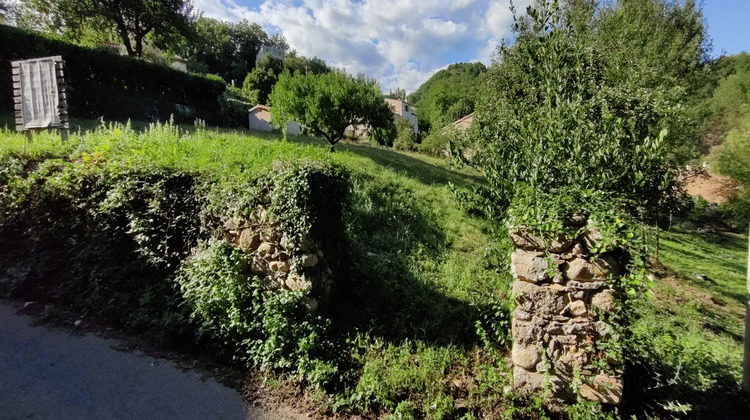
(102, 83)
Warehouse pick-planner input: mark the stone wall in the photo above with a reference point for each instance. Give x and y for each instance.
(281, 262)
(564, 334)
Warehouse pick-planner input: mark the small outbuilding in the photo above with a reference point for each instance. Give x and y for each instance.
(260, 120)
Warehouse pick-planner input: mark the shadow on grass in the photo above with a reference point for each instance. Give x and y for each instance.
(384, 290)
(680, 398)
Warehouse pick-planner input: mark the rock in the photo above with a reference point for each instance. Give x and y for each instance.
(577, 308)
(604, 301)
(259, 267)
(575, 220)
(232, 224)
(295, 282)
(525, 332)
(603, 389)
(309, 260)
(603, 329)
(572, 359)
(266, 249)
(270, 235)
(521, 315)
(539, 300)
(528, 267)
(536, 382)
(279, 266)
(249, 240)
(596, 269)
(526, 356)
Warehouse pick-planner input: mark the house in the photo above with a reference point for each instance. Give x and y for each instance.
(269, 50)
(259, 119)
(462, 124)
(402, 108)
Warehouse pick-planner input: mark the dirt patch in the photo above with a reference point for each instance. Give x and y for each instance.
(712, 187)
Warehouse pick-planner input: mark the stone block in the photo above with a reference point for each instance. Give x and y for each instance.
(526, 355)
(527, 266)
(309, 260)
(535, 382)
(249, 240)
(525, 332)
(279, 266)
(539, 300)
(295, 282)
(259, 267)
(266, 249)
(604, 301)
(578, 308)
(592, 270)
(603, 389)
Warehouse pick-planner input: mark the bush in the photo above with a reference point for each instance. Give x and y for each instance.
(404, 135)
(101, 83)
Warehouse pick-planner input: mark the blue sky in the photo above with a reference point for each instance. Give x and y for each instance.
(401, 43)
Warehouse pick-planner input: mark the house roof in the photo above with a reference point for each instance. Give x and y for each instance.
(461, 122)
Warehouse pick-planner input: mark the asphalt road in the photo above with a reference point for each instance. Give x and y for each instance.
(51, 374)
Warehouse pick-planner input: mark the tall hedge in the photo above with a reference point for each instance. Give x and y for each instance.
(104, 84)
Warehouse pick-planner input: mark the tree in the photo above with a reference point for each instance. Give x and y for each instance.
(448, 95)
(260, 81)
(329, 103)
(225, 49)
(298, 63)
(558, 133)
(131, 20)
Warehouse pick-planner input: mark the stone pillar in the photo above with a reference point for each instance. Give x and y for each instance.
(564, 340)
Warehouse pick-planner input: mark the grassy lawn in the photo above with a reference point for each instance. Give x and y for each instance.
(689, 335)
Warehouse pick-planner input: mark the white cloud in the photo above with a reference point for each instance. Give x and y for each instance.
(401, 43)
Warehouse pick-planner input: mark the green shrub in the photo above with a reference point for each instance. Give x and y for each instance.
(101, 83)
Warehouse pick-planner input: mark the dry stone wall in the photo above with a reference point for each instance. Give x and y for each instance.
(281, 262)
(564, 329)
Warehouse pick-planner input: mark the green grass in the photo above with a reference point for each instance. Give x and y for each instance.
(421, 274)
(416, 281)
(689, 335)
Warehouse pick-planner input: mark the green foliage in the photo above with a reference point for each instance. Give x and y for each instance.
(734, 160)
(656, 51)
(731, 94)
(329, 103)
(448, 95)
(104, 84)
(224, 48)
(257, 327)
(553, 134)
(297, 63)
(404, 135)
(130, 20)
(259, 82)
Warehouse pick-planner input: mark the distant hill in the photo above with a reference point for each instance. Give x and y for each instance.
(448, 95)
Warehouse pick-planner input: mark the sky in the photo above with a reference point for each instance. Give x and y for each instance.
(401, 43)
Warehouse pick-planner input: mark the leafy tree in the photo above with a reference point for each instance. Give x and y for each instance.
(734, 160)
(297, 63)
(329, 103)
(260, 81)
(659, 46)
(130, 20)
(448, 95)
(556, 135)
(404, 135)
(731, 93)
(225, 49)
